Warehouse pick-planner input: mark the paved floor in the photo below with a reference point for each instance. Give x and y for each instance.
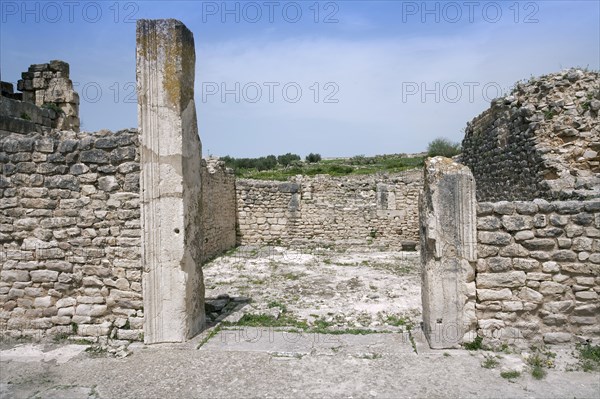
(262, 362)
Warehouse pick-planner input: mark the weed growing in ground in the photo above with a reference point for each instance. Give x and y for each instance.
(490, 362)
(96, 351)
(277, 304)
(510, 375)
(589, 357)
(475, 345)
(211, 334)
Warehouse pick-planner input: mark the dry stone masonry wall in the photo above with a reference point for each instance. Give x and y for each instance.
(541, 141)
(538, 272)
(70, 234)
(357, 210)
(219, 209)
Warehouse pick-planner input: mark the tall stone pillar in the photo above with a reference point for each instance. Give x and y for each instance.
(173, 285)
(447, 218)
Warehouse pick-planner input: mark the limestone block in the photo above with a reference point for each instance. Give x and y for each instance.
(527, 294)
(501, 280)
(557, 337)
(43, 276)
(447, 215)
(170, 182)
(493, 295)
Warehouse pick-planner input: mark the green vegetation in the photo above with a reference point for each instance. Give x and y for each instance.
(277, 304)
(313, 158)
(549, 114)
(589, 357)
(443, 147)
(490, 362)
(319, 326)
(54, 107)
(537, 366)
(397, 321)
(211, 334)
(96, 351)
(475, 345)
(60, 337)
(288, 165)
(510, 375)
(25, 116)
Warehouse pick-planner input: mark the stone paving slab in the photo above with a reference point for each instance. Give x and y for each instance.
(369, 366)
(280, 341)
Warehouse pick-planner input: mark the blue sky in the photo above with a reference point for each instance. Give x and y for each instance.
(340, 78)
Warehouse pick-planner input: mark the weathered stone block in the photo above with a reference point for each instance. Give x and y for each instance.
(494, 238)
(499, 264)
(488, 223)
(525, 264)
(516, 223)
(43, 276)
(586, 295)
(557, 337)
(504, 208)
(524, 235)
(529, 295)
(500, 280)
(544, 244)
(494, 295)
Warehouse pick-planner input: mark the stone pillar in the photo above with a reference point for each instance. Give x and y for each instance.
(173, 285)
(447, 218)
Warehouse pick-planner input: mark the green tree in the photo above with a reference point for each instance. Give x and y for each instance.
(313, 158)
(287, 159)
(443, 147)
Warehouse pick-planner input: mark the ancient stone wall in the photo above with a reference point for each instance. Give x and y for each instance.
(219, 209)
(538, 270)
(351, 210)
(47, 101)
(70, 234)
(21, 117)
(541, 141)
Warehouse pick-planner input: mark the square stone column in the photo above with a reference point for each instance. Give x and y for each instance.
(448, 229)
(173, 285)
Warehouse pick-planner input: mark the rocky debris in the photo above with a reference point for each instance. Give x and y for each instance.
(540, 141)
(219, 308)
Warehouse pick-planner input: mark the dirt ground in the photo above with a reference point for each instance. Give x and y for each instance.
(351, 288)
(371, 298)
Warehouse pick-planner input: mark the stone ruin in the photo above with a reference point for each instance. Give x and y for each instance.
(541, 141)
(47, 101)
(103, 235)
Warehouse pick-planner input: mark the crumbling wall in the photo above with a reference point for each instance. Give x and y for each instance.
(538, 272)
(21, 117)
(70, 235)
(541, 141)
(47, 101)
(219, 209)
(351, 210)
